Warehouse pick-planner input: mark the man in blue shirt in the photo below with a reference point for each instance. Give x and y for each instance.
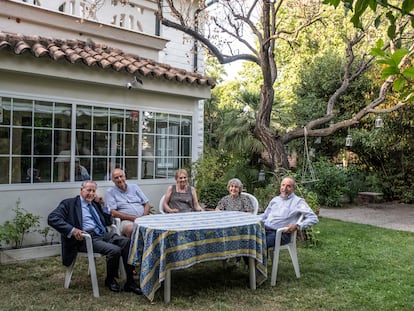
(126, 201)
(284, 211)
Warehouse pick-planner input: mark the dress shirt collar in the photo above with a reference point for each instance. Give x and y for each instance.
(288, 197)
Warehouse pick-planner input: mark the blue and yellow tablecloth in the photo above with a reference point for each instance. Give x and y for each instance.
(177, 241)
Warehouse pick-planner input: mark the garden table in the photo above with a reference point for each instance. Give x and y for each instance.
(164, 242)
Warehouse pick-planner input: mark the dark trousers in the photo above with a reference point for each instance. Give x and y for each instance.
(271, 236)
(113, 246)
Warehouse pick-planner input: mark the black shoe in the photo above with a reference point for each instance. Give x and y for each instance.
(132, 287)
(113, 285)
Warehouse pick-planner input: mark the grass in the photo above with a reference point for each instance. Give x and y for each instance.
(355, 267)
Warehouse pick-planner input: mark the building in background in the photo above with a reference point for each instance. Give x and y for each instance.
(86, 86)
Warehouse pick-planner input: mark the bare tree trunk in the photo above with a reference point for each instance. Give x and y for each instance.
(273, 143)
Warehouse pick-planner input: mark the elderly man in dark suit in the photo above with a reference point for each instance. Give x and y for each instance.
(85, 214)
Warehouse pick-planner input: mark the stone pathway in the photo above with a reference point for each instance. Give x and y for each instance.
(391, 215)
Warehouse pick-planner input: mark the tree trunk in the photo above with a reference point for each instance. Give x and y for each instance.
(273, 143)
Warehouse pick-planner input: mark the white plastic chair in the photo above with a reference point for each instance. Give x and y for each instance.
(92, 267)
(161, 205)
(254, 201)
(291, 247)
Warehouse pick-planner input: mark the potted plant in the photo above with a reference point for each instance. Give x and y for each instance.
(12, 234)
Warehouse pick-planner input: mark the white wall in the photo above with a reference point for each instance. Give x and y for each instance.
(42, 200)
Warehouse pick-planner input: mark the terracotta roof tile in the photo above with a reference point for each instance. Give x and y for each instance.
(88, 53)
(39, 50)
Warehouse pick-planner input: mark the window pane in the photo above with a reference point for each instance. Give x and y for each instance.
(99, 168)
(148, 144)
(83, 117)
(61, 141)
(22, 112)
(186, 123)
(61, 167)
(132, 121)
(43, 114)
(4, 140)
(185, 146)
(148, 124)
(100, 144)
(5, 108)
(131, 145)
(161, 122)
(63, 114)
(82, 169)
(148, 167)
(43, 166)
(4, 169)
(117, 120)
(43, 142)
(22, 141)
(131, 168)
(20, 165)
(83, 143)
(100, 119)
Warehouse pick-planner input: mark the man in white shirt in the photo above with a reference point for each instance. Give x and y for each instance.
(284, 210)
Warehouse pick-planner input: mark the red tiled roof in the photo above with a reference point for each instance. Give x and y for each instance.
(90, 54)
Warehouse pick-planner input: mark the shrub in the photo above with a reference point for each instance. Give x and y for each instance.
(331, 184)
(13, 232)
(264, 195)
(211, 193)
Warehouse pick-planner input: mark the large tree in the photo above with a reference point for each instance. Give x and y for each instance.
(259, 27)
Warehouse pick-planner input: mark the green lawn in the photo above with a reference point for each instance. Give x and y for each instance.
(355, 267)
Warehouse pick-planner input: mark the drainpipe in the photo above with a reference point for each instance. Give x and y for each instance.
(158, 24)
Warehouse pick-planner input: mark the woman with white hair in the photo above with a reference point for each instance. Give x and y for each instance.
(235, 200)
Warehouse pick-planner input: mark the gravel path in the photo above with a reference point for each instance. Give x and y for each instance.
(389, 215)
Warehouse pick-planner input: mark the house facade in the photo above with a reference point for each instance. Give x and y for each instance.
(86, 86)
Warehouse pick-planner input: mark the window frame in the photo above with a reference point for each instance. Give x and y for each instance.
(74, 131)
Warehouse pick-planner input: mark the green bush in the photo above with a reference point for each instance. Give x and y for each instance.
(264, 195)
(331, 185)
(207, 169)
(211, 193)
(355, 182)
(13, 232)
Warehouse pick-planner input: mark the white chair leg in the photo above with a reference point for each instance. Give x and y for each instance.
(167, 286)
(252, 273)
(92, 268)
(94, 278)
(294, 256)
(122, 272)
(68, 275)
(274, 266)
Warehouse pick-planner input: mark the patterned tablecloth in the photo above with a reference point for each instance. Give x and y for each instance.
(177, 241)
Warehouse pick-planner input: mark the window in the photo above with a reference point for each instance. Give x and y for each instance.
(166, 144)
(45, 142)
